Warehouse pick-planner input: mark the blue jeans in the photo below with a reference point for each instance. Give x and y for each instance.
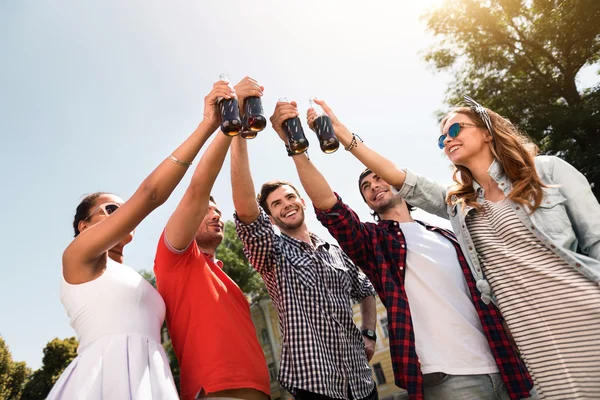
(441, 386)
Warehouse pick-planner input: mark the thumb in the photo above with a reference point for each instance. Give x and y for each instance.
(326, 108)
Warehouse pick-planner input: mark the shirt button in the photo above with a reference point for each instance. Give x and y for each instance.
(470, 248)
(532, 227)
(578, 265)
(547, 202)
(402, 246)
(401, 268)
(478, 270)
(518, 208)
(398, 233)
(553, 246)
(502, 184)
(395, 223)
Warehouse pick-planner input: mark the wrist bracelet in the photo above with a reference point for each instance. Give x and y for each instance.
(178, 161)
(353, 142)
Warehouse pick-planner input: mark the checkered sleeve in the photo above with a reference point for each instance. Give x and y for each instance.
(353, 236)
(361, 285)
(258, 238)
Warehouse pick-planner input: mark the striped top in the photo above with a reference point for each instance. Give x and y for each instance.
(552, 311)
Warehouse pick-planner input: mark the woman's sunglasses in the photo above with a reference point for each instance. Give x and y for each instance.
(452, 132)
(108, 209)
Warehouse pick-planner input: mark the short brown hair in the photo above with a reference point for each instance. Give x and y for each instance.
(268, 188)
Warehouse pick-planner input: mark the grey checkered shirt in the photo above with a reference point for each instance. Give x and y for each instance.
(323, 350)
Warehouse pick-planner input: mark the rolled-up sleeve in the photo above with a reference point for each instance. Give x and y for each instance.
(259, 242)
(424, 194)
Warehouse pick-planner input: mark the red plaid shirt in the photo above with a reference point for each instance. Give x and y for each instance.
(380, 251)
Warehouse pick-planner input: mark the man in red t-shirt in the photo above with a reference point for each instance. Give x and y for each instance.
(207, 314)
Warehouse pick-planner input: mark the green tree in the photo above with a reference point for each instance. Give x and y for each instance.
(236, 265)
(521, 59)
(57, 355)
(13, 375)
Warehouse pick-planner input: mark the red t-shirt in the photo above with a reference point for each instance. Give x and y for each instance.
(209, 323)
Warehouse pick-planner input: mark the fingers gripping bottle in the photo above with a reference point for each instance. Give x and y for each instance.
(231, 124)
(324, 130)
(296, 140)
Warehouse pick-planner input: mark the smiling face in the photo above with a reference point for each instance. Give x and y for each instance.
(471, 142)
(378, 194)
(286, 208)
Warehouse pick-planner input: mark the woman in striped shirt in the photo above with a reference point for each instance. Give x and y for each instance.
(530, 228)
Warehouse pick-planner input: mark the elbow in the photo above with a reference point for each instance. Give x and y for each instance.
(152, 195)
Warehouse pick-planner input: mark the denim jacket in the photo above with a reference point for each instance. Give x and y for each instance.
(567, 220)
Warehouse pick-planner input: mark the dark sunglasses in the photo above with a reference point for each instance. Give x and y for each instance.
(108, 209)
(452, 132)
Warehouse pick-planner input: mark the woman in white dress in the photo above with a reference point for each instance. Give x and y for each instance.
(116, 314)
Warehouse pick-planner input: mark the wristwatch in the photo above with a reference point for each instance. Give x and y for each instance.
(369, 334)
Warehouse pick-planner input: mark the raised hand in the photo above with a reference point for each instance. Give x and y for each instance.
(219, 90)
(247, 87)
(283, 111)
(311, 115)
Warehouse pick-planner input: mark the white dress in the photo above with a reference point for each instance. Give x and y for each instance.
(118, 319)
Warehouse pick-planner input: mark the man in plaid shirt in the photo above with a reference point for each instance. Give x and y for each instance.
(312, 284)
(445, 342)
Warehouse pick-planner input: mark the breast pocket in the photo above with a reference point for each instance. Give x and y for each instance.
(551, 216)
(304, 271)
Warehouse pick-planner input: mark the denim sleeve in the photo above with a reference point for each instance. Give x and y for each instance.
(424, 194)
(582, 206)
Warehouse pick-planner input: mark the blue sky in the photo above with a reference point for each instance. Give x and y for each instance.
(93, 95)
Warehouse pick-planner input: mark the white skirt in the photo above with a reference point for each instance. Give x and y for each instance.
(124, 366)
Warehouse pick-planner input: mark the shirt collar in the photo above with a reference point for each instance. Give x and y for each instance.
(496, 172)
(212, 258)
(317, 242)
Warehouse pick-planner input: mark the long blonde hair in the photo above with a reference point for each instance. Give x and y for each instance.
(514, 151)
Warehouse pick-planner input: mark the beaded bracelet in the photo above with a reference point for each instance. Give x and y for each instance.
(353, 142)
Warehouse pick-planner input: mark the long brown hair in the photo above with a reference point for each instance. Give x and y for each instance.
(514, 151)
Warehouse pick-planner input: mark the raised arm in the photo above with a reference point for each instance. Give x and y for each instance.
(312, 180)
(377, 163)
(242, 186)
(183, 224)
(92, 243)
(417, 190)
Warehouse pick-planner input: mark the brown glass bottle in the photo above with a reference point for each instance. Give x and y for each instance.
(324, 130)
(254, 119)
(231, 123)
(296, 139)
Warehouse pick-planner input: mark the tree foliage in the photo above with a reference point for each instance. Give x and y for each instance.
(13, 375)
(57, 355)
(236, 265)
(521, 59)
